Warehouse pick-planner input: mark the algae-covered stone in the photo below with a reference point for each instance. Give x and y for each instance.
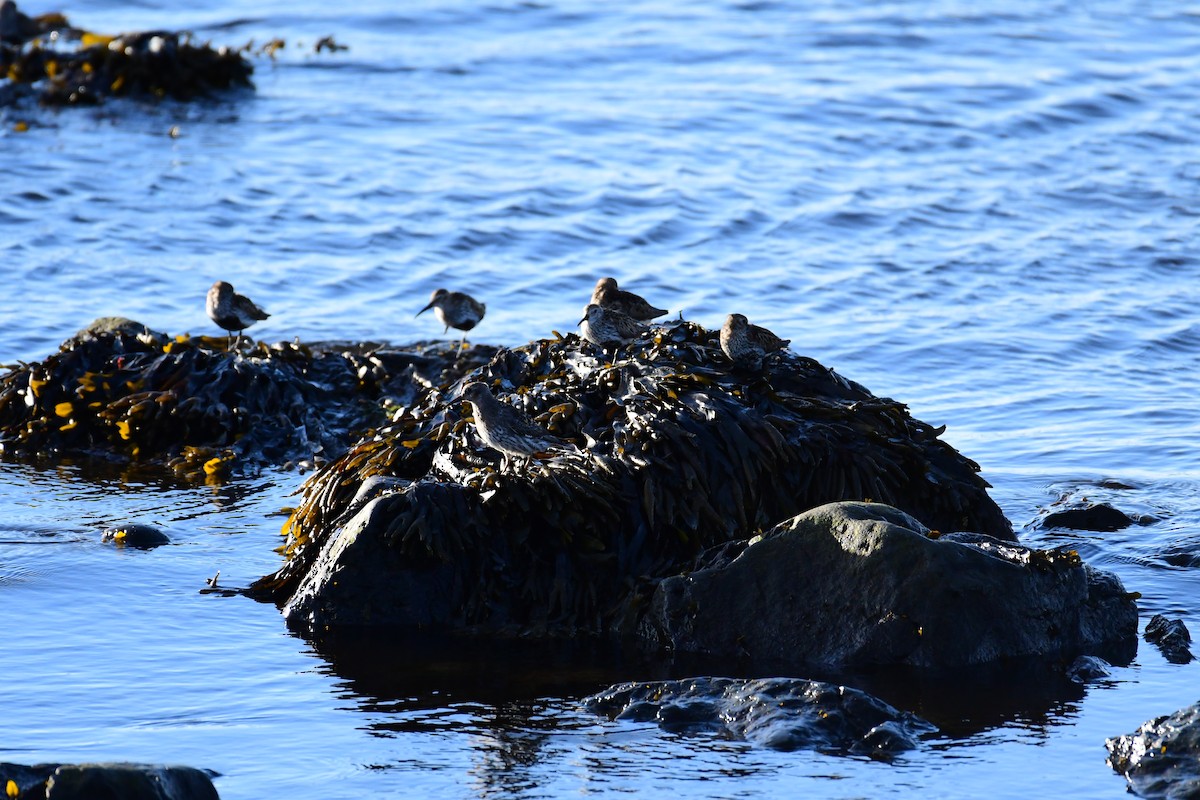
(119, 390)
(667, 451)
(861, 584)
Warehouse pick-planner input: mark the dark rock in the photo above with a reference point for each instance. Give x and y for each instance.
(666, 453)
(1100, 517)
(75, 67)
(779, 713)
(1086, 669)
(1162, 757)
(142, 537)
(852, 584)
(108, 781)
(1171, 637)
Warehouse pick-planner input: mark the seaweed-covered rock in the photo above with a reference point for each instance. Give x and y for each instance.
(70, 67)
(108, 781)
(120, 390)
(862, 584)
(1162, 757)
(779, 713)
(674, 452)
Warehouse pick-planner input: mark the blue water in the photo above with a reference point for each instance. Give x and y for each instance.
(987, 211)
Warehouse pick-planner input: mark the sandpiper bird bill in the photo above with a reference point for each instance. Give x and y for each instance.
(747, 344)
(232, 311)
(504, 428)
(605, 327)
(608, 295)
(455, 310)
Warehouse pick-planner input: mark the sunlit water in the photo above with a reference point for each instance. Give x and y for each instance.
(987, 211)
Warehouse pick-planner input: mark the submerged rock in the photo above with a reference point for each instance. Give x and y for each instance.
(108, 781)
(120, 390)
(667, 452)
(1171, 637)
(779, 713)
(1162, 757)
(861, 584)
(1086, 669)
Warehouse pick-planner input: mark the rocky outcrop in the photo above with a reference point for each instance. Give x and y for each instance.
(667, 451)
(777, 713)
(109, 781)
(1162, 757)
(119, 390)
(852, 584)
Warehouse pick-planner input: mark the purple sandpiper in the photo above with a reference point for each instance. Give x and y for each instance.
(504, 428)
(747, 344)
(605, 327)
(607, 295)
(232, 311)
(455, 310)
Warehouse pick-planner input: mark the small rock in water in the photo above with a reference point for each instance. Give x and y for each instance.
(142, 537)
(1100, 517)
(1171, 636)
(1086, 669)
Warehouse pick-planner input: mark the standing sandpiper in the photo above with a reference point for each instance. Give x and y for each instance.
(232, 311)
(746, 344)
(455, 310)
(607, 295)
(604, 327)
(504, 428)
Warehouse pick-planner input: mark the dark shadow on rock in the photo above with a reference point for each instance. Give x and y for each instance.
(394, 675)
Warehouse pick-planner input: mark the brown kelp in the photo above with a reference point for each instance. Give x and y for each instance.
(670, 450)
(67, 66)
(119, 390)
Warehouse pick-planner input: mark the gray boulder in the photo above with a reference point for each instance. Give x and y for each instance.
(850, 584)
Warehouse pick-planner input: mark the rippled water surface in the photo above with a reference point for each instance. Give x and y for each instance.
(985, 210)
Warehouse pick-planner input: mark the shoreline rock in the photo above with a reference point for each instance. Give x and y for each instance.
(856, 584)
(674, 451)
